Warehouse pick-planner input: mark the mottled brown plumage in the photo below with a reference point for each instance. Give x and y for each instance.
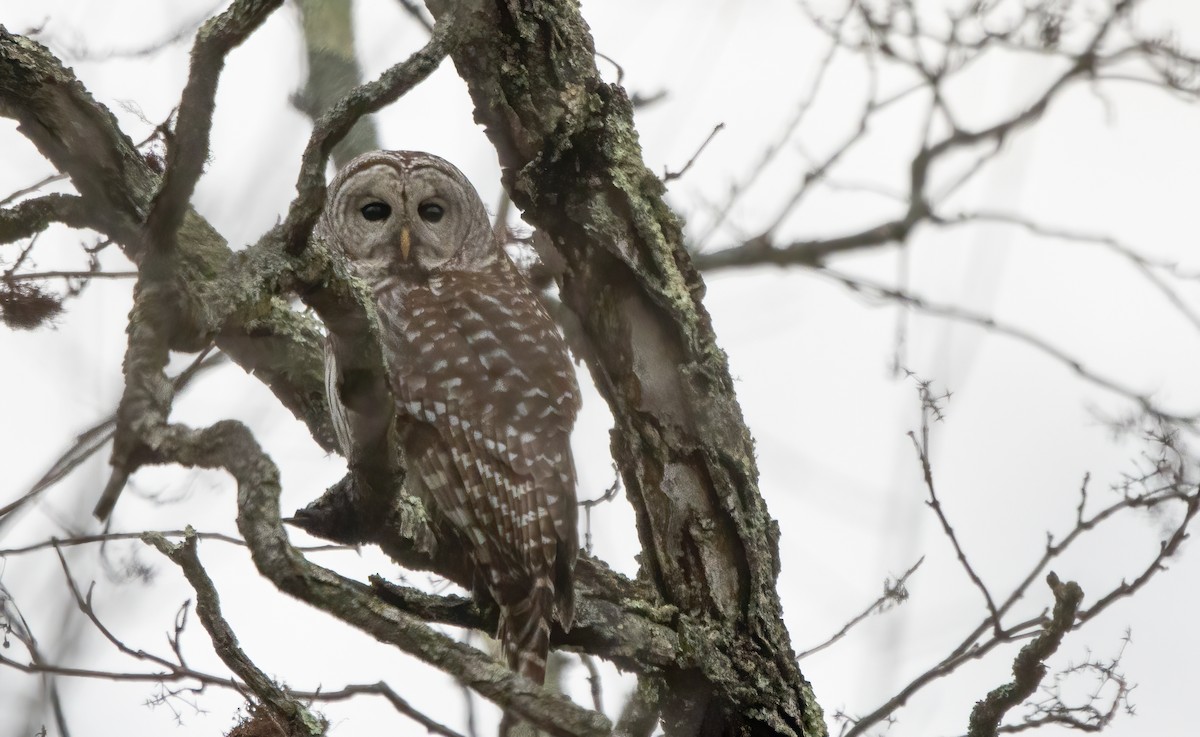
(485, 393)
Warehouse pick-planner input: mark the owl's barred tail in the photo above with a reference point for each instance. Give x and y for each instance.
(524, 635)
(525, 631)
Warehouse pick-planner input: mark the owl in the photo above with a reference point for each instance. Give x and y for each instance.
(485, 393)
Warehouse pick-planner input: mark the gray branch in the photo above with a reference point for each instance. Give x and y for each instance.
(31, 217)
(1029, 666)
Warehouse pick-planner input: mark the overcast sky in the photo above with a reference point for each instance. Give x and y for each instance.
(813, 361)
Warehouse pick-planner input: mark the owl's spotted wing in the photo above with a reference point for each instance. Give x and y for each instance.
(480, 360)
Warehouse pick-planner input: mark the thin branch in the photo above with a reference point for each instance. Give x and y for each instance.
(57, 177)
(469, 697)
(108, 675)
(894, 592)
(107, 537)
(337, 122)
(187, 149)
(960, 314)
(208, 606)
(922, 447)
(971, 648)
(818, 171)
(382, 689)
(594, 682)
(763, 250)
(72, 275)
(1146, 267)
(181, 34)
(417, 13)
(672, 175)
(1168, 549)
(777, 144)
(1029, 666)
(84, 603)
(90, 441)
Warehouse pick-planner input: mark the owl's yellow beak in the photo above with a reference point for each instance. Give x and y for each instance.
(405, 242)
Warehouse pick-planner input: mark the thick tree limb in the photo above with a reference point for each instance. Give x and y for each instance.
(358, 605)
(31, 217)
(572, 163)
(81, 138)
(262, 334)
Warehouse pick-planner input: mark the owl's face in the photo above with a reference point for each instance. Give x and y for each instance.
(406, 214)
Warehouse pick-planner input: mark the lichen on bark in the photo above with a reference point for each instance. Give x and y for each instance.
(572, 161)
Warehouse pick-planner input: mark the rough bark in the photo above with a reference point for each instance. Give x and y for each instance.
(238, 298)
(707, 620)
(572, 163)
(80, 137)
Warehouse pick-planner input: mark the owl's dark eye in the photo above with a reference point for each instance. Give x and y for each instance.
(374, 211)
(430, 212)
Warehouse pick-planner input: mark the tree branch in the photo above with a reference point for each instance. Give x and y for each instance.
(208, 607)
(187, 148)
(31, 217)
(333, 126)
(679, 438)
(1029, 667)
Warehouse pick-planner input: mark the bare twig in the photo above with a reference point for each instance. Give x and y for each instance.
(894, 593)
(398, 702)
(208, 606)
(609, 494)
(1146, 267)
(417, 13)
(32, 188)
(93, 439)
(1042, 345)
(881, 38)
(921, 444)
(594, 682)
(672, 175)
(107, 537)
(1154, 489)
(72, 275)
(1097, 710)
(184, 31)
(776, 145)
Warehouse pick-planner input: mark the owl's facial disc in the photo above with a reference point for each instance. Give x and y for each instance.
(402, 214)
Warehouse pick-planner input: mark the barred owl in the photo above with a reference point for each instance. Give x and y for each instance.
(485, 394)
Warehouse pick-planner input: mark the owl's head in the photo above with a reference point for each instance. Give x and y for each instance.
(406, 213)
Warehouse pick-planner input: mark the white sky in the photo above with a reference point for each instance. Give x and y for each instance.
(811, 361)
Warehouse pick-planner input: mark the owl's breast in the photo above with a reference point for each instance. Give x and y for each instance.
(478, 348)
